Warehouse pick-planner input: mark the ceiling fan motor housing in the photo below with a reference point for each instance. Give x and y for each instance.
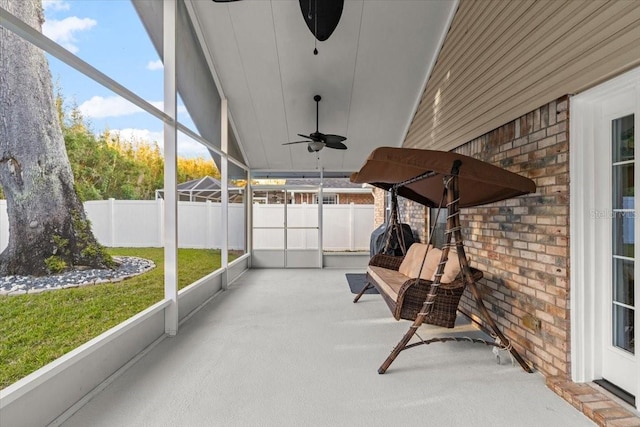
(316, 145)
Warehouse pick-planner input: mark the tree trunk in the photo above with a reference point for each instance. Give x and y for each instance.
(48, 229)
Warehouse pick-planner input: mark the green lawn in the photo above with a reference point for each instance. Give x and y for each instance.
(37, 329)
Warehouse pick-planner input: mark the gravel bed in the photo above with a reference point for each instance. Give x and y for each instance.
(129, 267)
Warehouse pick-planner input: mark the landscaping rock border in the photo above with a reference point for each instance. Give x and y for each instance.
(129, 267)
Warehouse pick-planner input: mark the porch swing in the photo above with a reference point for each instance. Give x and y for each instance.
(407, 284)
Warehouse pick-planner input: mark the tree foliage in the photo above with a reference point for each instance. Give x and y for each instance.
(195, 168)
(109, 166)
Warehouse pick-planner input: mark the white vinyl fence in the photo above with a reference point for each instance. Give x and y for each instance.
(4, 225)
(347, 227)
(138, 223)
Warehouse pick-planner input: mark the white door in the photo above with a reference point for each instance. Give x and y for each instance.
(303, 229)
(618, 130)
(603, 238)
(268, 229)
(286, 231)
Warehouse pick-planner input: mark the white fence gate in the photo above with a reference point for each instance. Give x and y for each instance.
(138, 223)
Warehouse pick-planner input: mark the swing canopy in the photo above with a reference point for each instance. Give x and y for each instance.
(479, 182)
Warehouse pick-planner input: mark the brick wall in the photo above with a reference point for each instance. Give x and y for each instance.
(522, 244)
(358, 199)
(416, 215)
(410, 213)
(343, 198)
(379, 206)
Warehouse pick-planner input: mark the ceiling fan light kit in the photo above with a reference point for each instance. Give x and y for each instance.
(315, 146)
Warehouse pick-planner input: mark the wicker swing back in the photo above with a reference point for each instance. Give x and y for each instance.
(430, 177)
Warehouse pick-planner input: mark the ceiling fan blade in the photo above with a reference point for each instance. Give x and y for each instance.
(337, 145)
(333, 138)
(312, 137)
(296, 142)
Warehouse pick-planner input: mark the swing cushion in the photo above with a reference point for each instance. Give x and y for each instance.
(390, 281)
(412, 267)
(412, 261)
(451, 268)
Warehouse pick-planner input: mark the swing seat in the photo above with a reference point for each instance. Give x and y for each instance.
(405, 295)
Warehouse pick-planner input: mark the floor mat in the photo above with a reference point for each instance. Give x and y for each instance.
(357, 281)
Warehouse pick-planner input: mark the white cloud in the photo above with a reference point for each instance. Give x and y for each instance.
(55, 5)
(139, 135)
(99, 107)
(190, 148)
(114, 106)
(155, 65)
(62, 32)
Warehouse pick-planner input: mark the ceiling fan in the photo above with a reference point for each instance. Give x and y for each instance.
(321, 16)
(317, 140)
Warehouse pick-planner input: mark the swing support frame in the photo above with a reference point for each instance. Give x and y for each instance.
(498, 184)
(453, 237)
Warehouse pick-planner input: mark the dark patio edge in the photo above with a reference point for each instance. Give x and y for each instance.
(588, 399)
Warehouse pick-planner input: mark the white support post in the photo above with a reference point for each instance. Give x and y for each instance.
(170, 166)
(209, 238)
(112, 222)
(320, 213)
(224, 183)
(248, 226)
(352, 226)
(160, 222)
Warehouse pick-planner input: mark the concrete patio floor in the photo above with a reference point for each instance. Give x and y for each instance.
(289, 348)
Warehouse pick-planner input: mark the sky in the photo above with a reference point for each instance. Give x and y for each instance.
(109, 35)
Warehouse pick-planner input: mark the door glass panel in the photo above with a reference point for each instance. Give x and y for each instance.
(302, 215)
(624, 190)
(268, 238)
(623, 274)
(623, 143)
(237, 211)
(623, 328)
(302, 238)
(623, 233)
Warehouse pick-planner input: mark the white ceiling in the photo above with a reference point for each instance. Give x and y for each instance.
(370, 73)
